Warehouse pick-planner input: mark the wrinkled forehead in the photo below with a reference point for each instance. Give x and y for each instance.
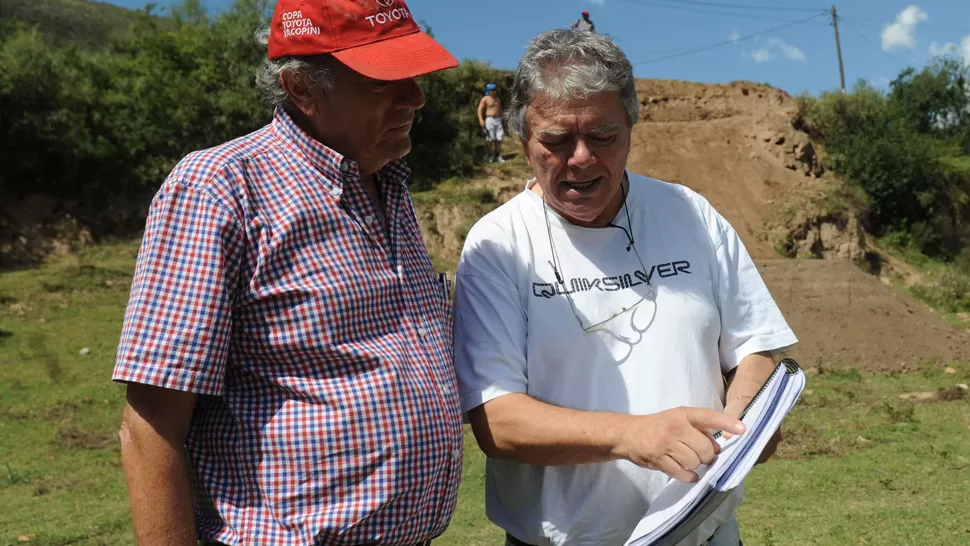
(600, 112)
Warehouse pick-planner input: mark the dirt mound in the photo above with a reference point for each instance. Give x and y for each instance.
(668, 100)
(732, 143)
(845, 317)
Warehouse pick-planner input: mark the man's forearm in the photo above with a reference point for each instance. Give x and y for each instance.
(530, 431)
(158, 486)
(753, 371)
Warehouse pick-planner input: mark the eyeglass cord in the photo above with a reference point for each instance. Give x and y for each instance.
(555, 262)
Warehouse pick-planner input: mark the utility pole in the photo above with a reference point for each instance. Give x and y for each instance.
(838, 47)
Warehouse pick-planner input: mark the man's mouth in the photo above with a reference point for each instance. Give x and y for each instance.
(581, 186)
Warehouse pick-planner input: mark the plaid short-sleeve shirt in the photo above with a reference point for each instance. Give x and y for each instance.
(319, 345)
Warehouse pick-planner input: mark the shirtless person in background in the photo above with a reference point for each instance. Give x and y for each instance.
(490, 118)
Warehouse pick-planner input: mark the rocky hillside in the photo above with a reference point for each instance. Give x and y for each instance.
(736, 145)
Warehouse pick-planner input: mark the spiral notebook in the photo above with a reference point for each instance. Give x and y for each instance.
(681, 507)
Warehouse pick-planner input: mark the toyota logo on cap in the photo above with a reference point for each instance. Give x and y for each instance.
(385, 3)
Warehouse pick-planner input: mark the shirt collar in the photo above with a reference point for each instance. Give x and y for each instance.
(334, 167)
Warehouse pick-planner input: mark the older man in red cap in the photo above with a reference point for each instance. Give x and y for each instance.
(287, 347)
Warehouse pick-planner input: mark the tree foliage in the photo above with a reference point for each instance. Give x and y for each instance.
(447, 137)
(89, 125)
(907, 149)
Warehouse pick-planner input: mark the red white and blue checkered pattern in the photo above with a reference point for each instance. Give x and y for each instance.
(321, 349)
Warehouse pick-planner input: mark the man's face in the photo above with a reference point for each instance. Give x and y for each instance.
(577, 150)
(367, 120)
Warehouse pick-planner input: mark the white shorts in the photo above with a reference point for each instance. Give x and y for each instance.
(493, 129)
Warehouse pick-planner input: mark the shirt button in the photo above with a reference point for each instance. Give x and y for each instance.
(335, 192)
(446, 389)
(369, 219)
(422, 331)
(455, 454)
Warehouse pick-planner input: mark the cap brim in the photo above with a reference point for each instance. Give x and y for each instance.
(398, 58)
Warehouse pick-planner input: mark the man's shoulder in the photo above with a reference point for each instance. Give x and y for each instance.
(656, 189)
(675, 199)
(501, 224)
(211, 166)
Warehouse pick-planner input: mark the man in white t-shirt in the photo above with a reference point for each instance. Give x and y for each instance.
(597, 315)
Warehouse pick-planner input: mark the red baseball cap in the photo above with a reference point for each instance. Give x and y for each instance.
(376, 38)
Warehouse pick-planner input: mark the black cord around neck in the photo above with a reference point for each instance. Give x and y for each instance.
(629, 236)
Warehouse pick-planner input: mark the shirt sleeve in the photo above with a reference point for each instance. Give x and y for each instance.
(751, 321)
(490, 323)
(178, 321)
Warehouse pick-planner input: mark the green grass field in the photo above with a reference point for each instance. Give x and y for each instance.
(860, 465)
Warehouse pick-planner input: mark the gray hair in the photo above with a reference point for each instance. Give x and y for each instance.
(568, 64)
(314, 69)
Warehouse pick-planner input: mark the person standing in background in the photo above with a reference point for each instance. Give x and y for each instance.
(490, 118)
(584, 23)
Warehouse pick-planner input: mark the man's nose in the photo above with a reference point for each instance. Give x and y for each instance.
(409, 94)
(581, 155)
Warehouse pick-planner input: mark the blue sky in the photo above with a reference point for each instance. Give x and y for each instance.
(879, 37)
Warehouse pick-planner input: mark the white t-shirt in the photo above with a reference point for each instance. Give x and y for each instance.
(516, 332)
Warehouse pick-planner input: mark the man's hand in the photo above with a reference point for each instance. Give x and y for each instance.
(676, 441)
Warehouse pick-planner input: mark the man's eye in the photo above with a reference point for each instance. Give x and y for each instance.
(554, 145)
(604, 140)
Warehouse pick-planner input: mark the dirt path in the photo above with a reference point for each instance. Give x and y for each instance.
(845, 317)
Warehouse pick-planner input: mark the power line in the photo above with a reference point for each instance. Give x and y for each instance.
(741, 6)
(694, 9)
(870, 42)
(728, 42)
(885, 24)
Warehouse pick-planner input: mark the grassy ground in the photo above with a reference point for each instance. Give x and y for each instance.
(945, 287)
(860, 465)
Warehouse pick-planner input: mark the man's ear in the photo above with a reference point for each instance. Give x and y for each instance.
(301, 95)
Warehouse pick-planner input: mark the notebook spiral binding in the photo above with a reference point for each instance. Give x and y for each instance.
(790, 366)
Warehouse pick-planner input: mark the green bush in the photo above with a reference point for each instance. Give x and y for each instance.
(448, 139)
(84, 125)
(905, 150)
(950, 294)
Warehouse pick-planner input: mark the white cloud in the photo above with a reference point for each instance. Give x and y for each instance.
(787, 50)
(902, 33)
(777, 47)
(948, 49)
(937, 50)
(762, 55)
(734, 36)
